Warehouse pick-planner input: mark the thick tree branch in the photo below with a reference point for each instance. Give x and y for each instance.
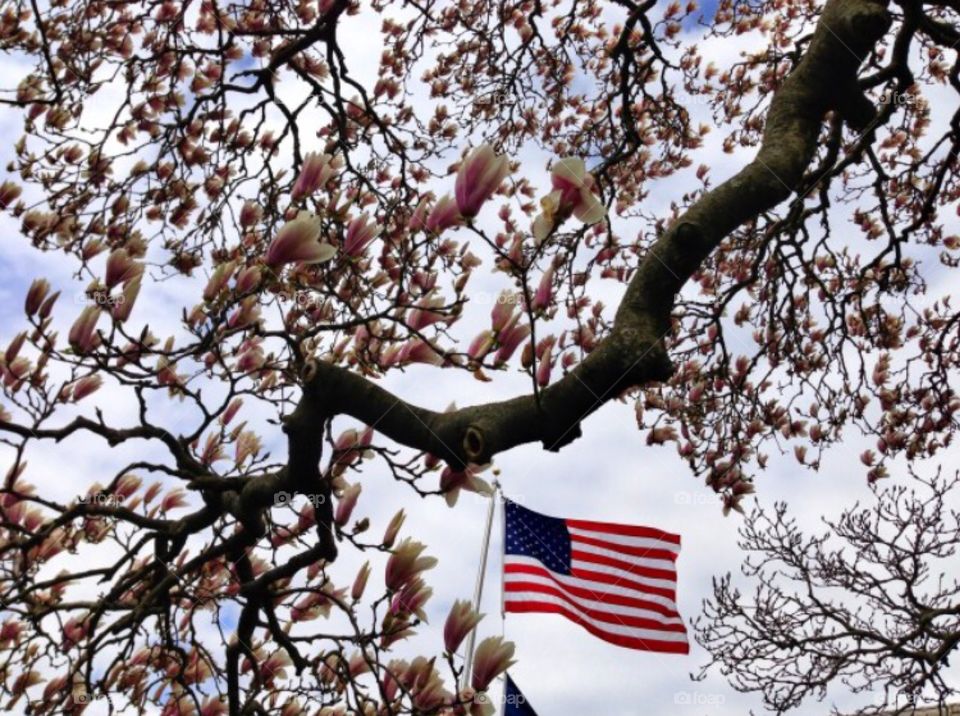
(633, 354)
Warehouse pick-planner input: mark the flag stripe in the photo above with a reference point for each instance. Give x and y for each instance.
(609, 575)
(600, 611)
(625, 540)
(588, 589)
(653, 551)
(608, 528)
(641, 567)
(659, 642)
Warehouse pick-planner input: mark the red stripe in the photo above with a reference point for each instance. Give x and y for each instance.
(621, 582)
(648, 552)
(630, 567)
(671, 647)
(628, 530)
(598, 615)
(509, 568)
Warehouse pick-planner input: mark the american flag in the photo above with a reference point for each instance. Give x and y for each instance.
(616, 581)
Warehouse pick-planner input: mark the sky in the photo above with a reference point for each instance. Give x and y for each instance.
(609, 474)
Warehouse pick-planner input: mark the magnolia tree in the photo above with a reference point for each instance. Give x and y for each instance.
(332, 223)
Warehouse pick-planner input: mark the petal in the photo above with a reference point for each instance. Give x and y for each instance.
(590, 210)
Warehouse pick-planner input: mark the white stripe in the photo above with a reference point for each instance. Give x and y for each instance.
(598, 588)
(628, 540)
(664, 564)
(624, 575)
(598, 604)
(619, 629)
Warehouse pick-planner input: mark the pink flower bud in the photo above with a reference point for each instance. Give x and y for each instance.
(248, 279)
(9, 193)
(492, 658)
(83, 336)
(250, 214)
(123, 307)
(544, 294)
(121, 268)
(38, 291)
(480, 175)
(346, 503)
(443, 216)
(405, 563)
(360, 583)
(85, 386)
(359, 234)
(510, 340)
(460, 621)
(316, 171)
(390, 535)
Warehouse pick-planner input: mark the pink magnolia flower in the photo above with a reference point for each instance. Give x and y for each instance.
(405, 563)
(444, 215)
(502, 313)
(460, 621)
(544, 367)
(35, 296)
(121, 268)
(481, 345)
(572, 194)
(390, 534)
(316, 171)
(346, 503)
(298, 242)
(9, 193)
(360, 582)
(85, 386)
(248, 279)
(250, 213)
(492, 658)
(124, 305)
(83, 336)
(480, 175)
(420, 351)
(510, 339)
(360, 233)
(419, 218)
(544, 294)
(221, 274)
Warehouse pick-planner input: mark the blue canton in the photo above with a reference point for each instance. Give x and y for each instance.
(530, 534)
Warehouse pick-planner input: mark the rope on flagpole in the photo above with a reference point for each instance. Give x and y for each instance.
(478, 589)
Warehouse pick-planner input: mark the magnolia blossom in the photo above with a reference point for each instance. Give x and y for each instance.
(121, 268)
(460, 621)
(360, 233)
(36, 295)
(316, 171)
(443, 216)
(492, 658)
(572, 194)
(83, 336)
(405, 563)
(348, 500)
(85, 386)
(124, 305)
(298, 242)
(480, 175)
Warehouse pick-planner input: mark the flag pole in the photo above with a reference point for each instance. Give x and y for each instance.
(478, 589)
